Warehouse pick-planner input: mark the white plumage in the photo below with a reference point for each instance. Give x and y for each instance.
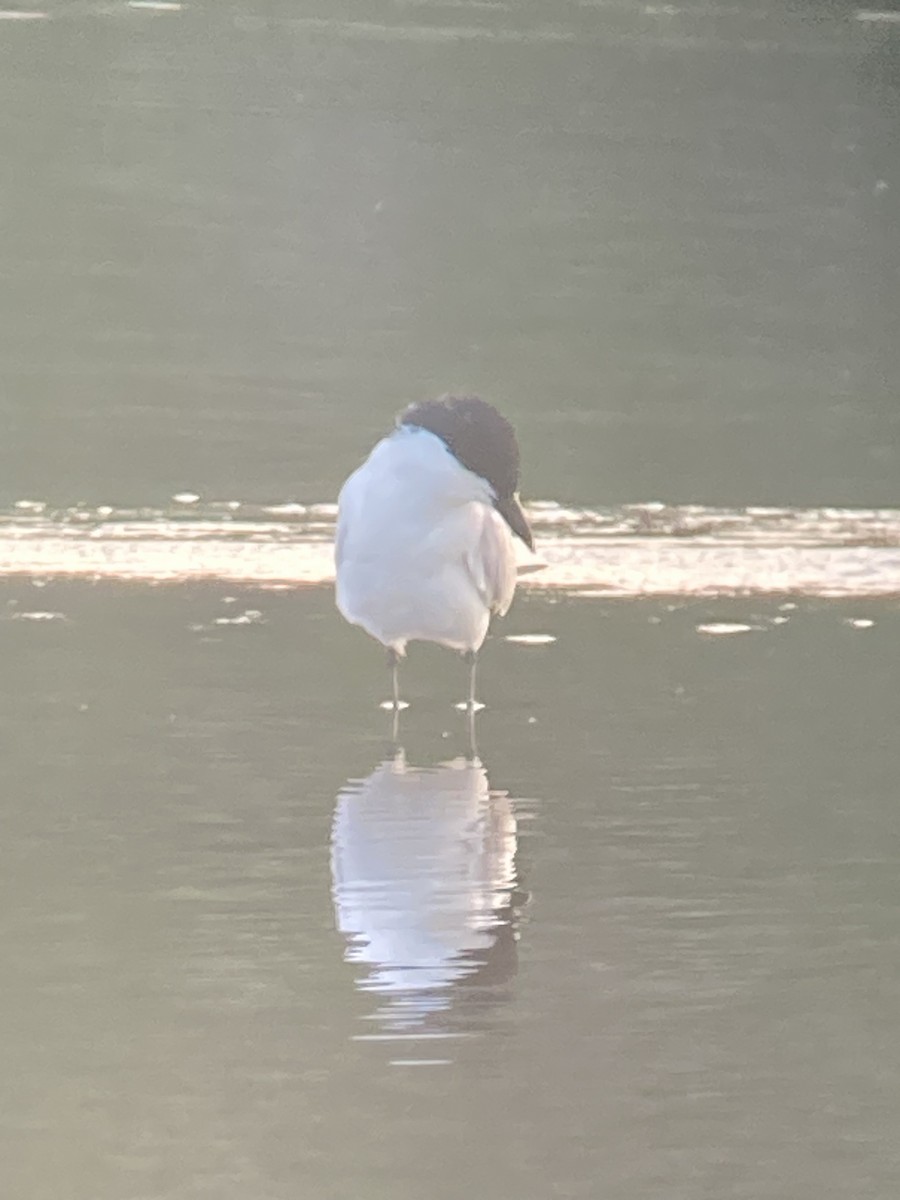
(424, 548)
(421, 552)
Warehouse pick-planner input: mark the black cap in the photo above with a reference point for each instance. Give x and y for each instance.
(484, 442)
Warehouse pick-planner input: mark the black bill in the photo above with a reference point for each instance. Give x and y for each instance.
(513, 514)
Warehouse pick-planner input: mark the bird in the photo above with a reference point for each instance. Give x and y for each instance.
(424, 541)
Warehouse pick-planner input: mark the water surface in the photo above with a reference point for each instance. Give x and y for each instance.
(663, 237)
(644, 945)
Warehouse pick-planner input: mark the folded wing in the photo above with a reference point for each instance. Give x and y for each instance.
(491, 561)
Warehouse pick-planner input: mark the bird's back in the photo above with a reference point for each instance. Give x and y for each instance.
(421, 552)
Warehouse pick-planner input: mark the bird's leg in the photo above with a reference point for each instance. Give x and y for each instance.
(471, 657)
(472, 706)
(395, 705)
(393, 659)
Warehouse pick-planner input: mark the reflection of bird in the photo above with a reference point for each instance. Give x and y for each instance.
(424, 548)
(423, 868)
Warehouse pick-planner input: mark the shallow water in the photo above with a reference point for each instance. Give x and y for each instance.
(644, 945)
(641, 940)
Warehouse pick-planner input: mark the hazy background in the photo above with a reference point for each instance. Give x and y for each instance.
(238, 237)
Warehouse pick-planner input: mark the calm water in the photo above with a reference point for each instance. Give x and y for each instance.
(648, 947)
(665, 237)
(642, 942)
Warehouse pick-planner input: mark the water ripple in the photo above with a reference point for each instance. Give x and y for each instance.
(632, 550)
